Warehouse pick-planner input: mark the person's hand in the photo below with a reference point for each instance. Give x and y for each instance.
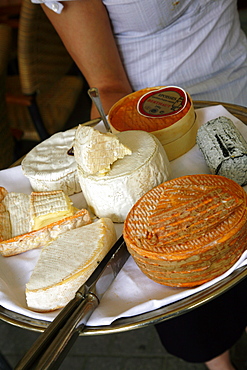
(108, 99)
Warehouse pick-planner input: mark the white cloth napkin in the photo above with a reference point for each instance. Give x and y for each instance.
(131, 293)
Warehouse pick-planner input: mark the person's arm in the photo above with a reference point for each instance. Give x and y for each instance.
(85, 30)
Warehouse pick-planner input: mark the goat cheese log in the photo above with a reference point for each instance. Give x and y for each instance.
(224, 149)
(188, 230)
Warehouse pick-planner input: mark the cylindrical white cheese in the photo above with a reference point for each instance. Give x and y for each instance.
(129, 178)
(49, 167)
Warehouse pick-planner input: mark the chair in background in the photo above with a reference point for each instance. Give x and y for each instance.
(6, 139)
(42, 97)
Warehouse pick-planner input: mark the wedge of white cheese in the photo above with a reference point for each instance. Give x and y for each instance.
(49, 167)
(128, 179)
(66, 263)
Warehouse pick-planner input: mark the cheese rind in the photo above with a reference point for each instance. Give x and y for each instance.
(224, 149)
(26, 224)
(115, 193)
(48, 166)
(189, 230)
(18, 207)
(39, 238)
(65, 264)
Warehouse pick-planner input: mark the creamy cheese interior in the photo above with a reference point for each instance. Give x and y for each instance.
(49, 218)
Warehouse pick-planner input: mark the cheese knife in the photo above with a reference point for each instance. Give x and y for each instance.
(52, 346)
(94, 95)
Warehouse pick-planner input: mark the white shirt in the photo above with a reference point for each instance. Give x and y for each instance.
(195, 44)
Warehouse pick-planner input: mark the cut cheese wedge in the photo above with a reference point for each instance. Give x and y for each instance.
(31, 221)
(188, 230)
(66, 263)
(49, 207)
(95, 152)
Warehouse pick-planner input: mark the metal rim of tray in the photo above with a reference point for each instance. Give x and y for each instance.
(164, 313)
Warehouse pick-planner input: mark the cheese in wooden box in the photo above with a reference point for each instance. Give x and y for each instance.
(166, 112)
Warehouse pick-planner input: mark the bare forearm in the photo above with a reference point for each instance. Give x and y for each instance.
(85, 29)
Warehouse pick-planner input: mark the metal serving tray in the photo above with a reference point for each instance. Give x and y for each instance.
(164, 313)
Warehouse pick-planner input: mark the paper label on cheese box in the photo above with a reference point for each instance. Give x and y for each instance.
(164, 102)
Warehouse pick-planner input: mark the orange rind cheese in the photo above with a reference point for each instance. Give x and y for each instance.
(189, 230)
(176, 132)
(124, 114)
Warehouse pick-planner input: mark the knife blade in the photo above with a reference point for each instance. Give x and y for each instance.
(52, 346)
(94, 95)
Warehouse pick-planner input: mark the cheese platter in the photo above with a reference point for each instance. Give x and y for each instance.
(164, 302)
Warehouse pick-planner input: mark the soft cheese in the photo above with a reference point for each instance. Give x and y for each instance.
(189, 230)
(31, 212)
(31, 221)
(49, 167)
(48, 207)
(129, 178)
(165, 111)
(64, 265)
(17, 205)
(95, 152)
(224, 149)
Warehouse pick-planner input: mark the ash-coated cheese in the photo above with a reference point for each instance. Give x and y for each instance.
(49, 167)
(129, 178)
(224, 149)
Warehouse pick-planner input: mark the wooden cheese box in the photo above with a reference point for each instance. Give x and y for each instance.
(176, 128)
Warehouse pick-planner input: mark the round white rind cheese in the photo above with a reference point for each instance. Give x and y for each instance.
(49, 167)
(114, 194)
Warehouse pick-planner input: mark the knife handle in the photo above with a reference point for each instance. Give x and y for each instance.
(51, 349)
